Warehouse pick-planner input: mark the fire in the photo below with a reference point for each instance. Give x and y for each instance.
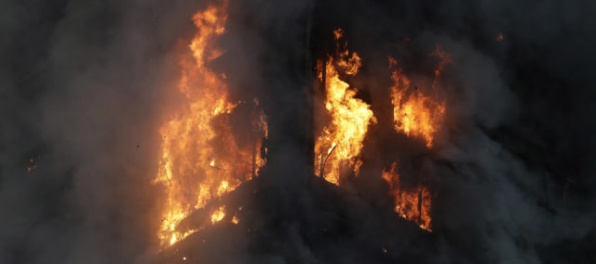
(218, 215)
(341, 139)
(412, 205)
(200, 158)
(419, 113)
(414, 113)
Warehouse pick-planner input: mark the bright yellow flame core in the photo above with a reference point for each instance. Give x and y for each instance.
(200, 159)
(218, 215)
(413, 205)
(341, 139)
(414, 113)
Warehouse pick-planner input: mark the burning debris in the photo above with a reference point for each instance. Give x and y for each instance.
(218, 215)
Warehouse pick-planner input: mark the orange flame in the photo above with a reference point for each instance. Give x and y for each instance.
(412, 205)
(200, 159)
(415, 113)
(341, 139)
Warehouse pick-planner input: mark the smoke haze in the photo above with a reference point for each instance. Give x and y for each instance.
(86, 85)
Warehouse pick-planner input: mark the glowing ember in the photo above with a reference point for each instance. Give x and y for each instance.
(32, 163)
(200, 159)
(341, 139)
(218, 215)
(414, 113)
(500, 37)
(413, 205)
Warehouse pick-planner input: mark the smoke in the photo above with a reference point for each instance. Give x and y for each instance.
(84, 87)
(82, 94)
(512, 171)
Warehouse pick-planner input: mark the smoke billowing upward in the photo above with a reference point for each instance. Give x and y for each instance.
(85, 87)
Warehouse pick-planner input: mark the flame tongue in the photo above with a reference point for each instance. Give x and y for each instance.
(341, 139)
(413, 205)
(200, 158)
(418, 115)
(415, 113)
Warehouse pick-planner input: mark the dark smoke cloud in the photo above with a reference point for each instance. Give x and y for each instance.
(513, 173)
(82, 92)
(82, 88)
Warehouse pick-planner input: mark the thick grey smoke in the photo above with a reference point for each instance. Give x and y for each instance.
(82, 90)
(512, 176)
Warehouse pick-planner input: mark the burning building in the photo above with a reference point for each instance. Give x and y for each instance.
(230, 131)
